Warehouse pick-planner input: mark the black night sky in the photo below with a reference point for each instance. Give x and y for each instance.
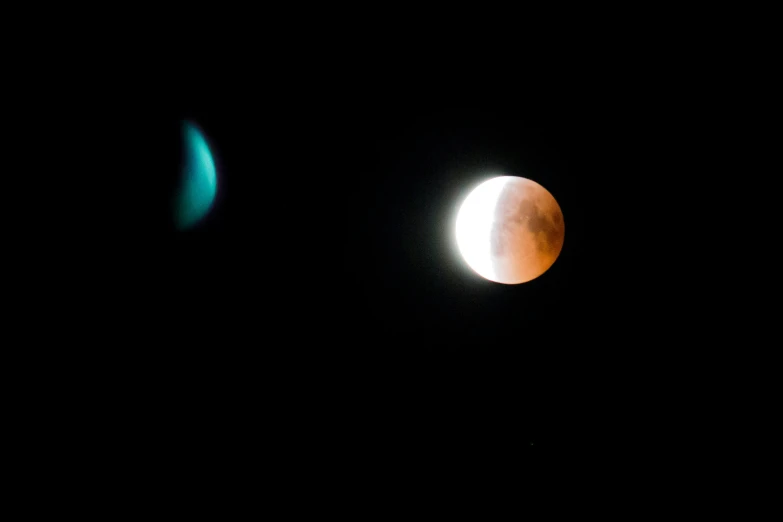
(326, 283)
(318, 331)
(322, 306)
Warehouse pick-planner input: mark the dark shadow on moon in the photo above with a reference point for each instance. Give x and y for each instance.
(510, 215)
(527, 232)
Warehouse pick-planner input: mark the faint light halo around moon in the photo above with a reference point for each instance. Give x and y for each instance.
(509, 230)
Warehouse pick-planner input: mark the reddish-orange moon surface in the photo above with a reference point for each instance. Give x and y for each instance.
(510, 230)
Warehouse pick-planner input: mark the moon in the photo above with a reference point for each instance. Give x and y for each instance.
(510, 230)
(198, 184)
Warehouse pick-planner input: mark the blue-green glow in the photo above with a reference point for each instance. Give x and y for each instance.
(199, 179)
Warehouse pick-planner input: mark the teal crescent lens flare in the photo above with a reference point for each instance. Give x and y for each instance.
(198, 184)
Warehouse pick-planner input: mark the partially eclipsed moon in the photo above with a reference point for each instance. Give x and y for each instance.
(199, 179)
(510, 230)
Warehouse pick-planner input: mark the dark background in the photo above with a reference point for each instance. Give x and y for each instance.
(324, 296)
(318, 331)
(320, 317)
